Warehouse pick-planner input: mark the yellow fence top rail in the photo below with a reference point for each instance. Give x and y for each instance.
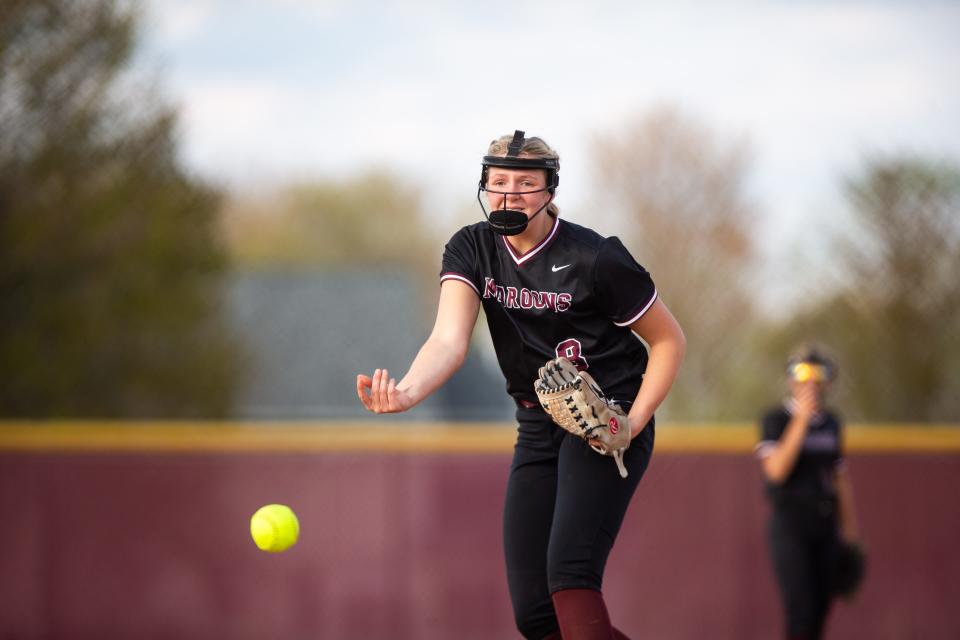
(373, 436)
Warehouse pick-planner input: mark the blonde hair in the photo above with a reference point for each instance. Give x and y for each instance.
(534, 147)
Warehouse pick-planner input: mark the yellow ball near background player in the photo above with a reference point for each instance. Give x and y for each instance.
(802, 372)
(805, 372)
(274, 527)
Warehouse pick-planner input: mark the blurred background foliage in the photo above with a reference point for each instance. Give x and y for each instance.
(892, 311)
(678, 189)
(372, 220)
(111, 266)
(114, 259)
(885, 300)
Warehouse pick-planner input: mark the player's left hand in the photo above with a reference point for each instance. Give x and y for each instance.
(575, 402)
(849, 569)
(383, 395)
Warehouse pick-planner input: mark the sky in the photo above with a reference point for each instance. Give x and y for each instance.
(290, 89)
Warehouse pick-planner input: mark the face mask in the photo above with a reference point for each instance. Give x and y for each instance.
(510, 222)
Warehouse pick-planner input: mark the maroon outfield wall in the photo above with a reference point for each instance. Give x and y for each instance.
(148, 542)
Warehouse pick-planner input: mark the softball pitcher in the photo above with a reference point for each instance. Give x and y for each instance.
(566, 308)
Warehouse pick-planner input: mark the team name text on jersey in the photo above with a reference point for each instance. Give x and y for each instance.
(523, 298)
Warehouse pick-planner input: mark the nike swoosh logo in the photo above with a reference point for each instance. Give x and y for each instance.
(555, 268)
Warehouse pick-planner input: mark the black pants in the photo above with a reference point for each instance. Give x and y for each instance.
(804, 545)
(564, 507)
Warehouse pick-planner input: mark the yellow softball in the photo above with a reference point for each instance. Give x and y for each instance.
(802, 372)
(274, 527)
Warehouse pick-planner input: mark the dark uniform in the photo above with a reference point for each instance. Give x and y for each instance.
(574, 295)
(803, 532)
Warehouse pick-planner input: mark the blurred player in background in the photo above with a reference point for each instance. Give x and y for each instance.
(549, 288)
(813, 524)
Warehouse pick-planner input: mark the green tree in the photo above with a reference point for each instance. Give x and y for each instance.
(893, 319)
(370, 220)
(110, 271)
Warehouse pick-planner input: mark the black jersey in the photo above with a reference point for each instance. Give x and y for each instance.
(812, 478)
(573, 295)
